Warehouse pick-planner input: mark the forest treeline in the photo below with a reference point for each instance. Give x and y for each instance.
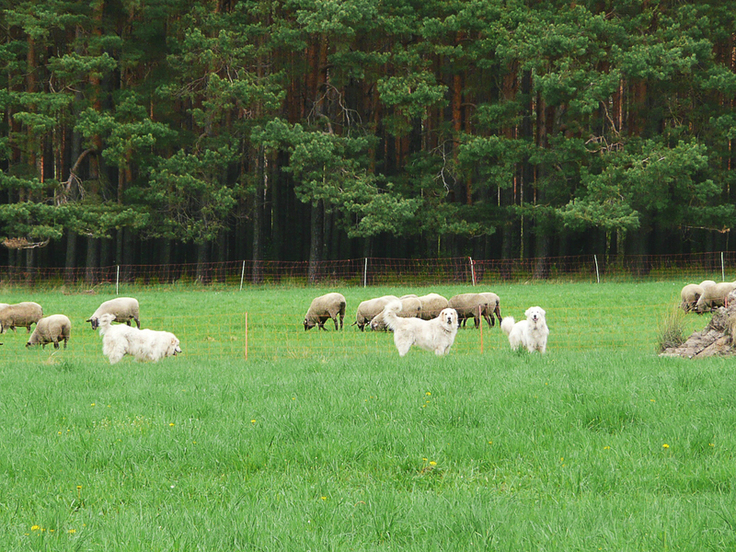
(173, 131)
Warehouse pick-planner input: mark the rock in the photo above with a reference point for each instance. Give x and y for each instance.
(714, 340)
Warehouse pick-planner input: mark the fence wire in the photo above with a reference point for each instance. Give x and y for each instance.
(379, 271)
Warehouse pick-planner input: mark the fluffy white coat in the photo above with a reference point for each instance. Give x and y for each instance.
(119, 340)
(530, 333)
(436, 335)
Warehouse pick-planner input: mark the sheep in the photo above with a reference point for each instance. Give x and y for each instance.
(51, 329)
(20, 314)
(470, 305)
(432, 305)
(367, 310)
(705, 283)
(493, 306)
(331, 305)
(125, 309)
(690, 295)
(411, 307)
(712, 297)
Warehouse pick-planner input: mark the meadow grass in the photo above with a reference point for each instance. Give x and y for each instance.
(330, 441)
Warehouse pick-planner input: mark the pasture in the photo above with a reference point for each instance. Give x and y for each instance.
(330, 441)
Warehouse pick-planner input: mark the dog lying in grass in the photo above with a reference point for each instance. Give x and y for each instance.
(121, 340)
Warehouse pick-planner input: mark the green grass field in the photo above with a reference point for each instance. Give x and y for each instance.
(330, 441)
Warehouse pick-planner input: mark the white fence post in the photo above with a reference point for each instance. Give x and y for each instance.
(472, 270)
(597, 274)
(117, 281)
(242, 276)
(365, 273)
(723, 269)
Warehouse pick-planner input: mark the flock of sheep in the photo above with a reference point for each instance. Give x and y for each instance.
(369, 313)
(57, 327)
(706, 296)
(700, 298)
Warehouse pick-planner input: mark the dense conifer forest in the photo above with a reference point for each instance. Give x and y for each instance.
(169, 131)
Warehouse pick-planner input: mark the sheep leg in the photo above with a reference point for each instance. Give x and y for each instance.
(137, 323)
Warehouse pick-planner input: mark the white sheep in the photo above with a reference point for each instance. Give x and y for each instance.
(21, 315)
(690, 294)
(470, 305)
(432, 305)
(367, 310)
(411, 307)
(712, 297)
(331, 305)
(705, 283)
(51, 329)
(125, 309)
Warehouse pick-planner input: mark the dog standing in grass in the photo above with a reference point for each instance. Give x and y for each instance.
(437, 334)
(121, 340)
(531, 333)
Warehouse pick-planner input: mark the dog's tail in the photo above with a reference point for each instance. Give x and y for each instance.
(104, 322)
(389, 313)
(507, 324)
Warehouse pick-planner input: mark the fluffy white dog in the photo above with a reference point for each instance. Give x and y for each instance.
(121, 340)
(531, 333)
(435, 335)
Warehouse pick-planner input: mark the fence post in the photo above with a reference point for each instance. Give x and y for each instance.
(365, 273)
(472, 269)
(723, 269)
(480, 319)
(597, 274)
(117, 281)
(242, 275)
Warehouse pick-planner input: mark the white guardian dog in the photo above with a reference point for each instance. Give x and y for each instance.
(531, 333)
(437, 334)
(121, 340)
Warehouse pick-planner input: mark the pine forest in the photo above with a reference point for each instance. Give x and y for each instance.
(177, 131)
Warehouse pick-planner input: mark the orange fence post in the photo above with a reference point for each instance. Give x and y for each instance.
(480, 321)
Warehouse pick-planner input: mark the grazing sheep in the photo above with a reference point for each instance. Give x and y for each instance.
(470, 305)
(690, 295)
(124, 309)
(411, 307)
(712, 297)
(51, 329)
(331, 305)
(432, 305)
(493, 306)
(20, 314)
(368, 310)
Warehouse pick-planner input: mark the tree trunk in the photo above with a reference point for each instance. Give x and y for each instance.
(315, 242)
(71, 256)
(90, 276)
(257, 276)
(202, 273)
